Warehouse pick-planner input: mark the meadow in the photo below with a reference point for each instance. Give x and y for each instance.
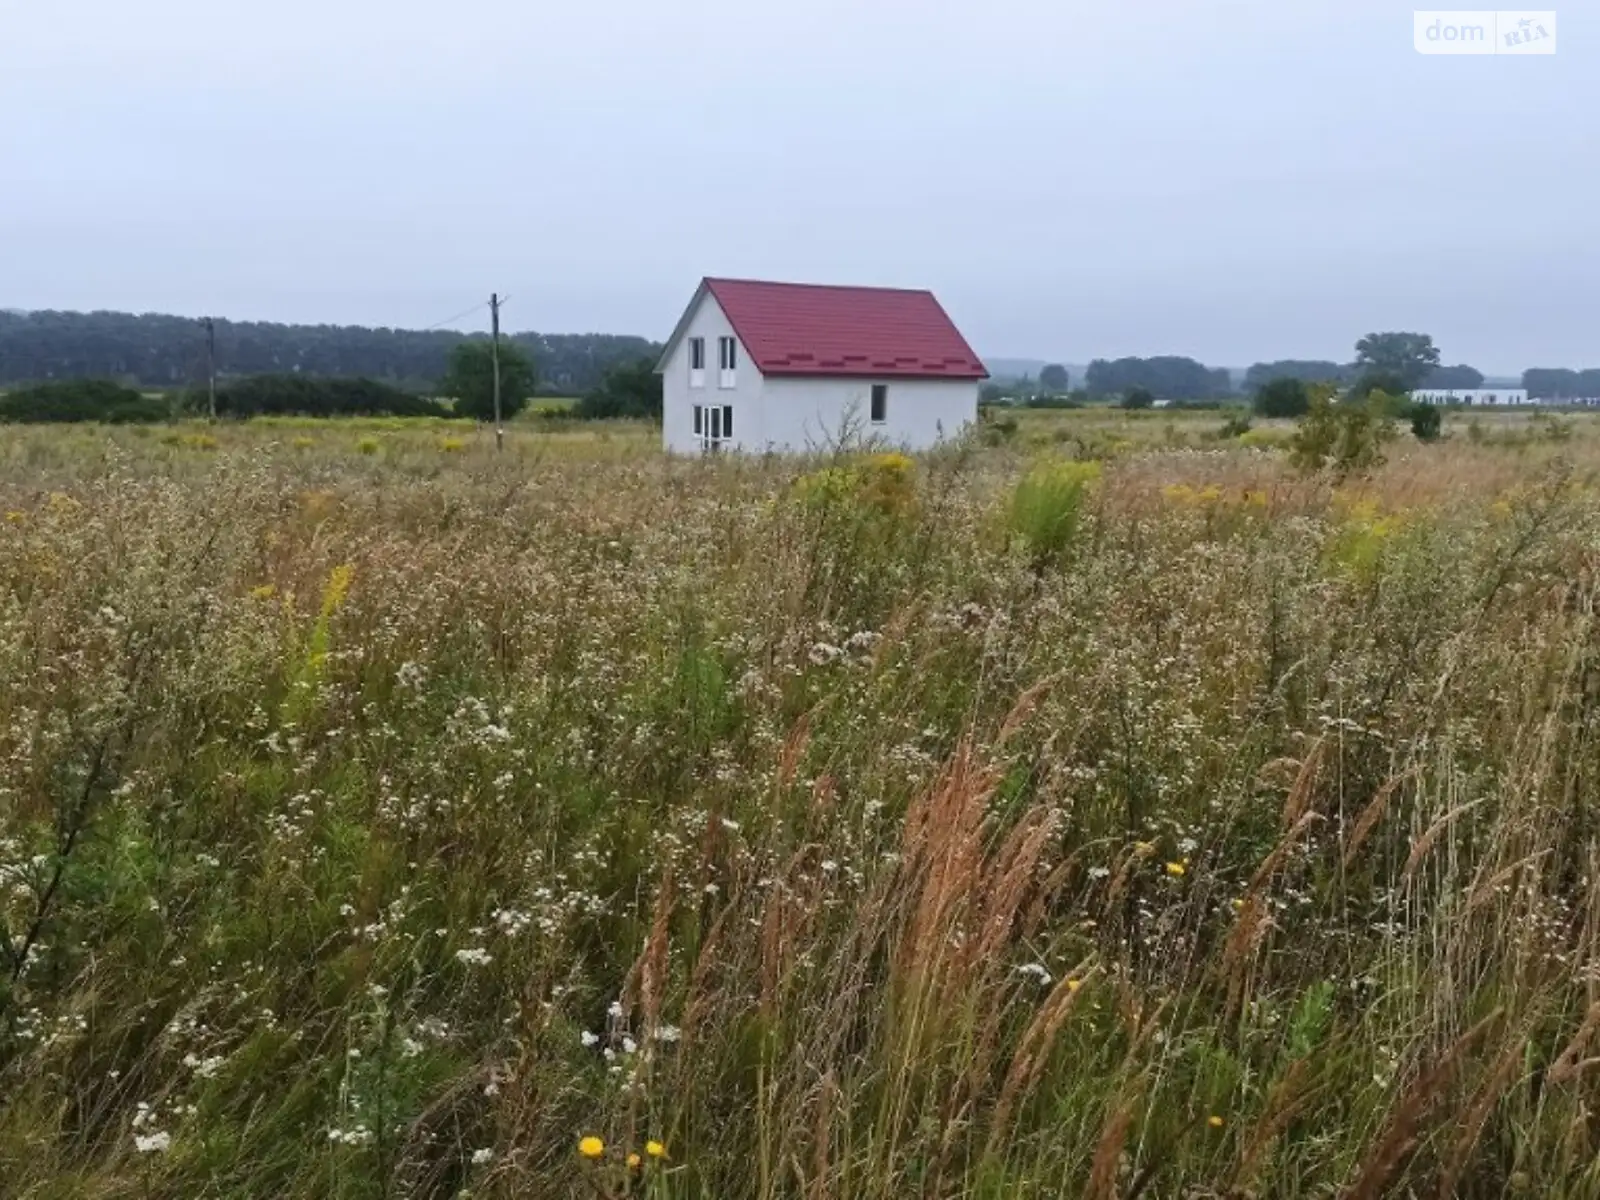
(1101, 808)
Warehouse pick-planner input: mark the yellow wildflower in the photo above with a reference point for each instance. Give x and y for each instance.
(655, 1149)
(1176, 869)
(591, 1147)
(1214, 1121)
(633, 1162)
(1074, 984)
(16, 517)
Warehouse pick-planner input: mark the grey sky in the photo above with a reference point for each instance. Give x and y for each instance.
(1236, 180)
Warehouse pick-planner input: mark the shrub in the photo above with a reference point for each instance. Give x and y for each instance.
(295, 395)
(1266, 439)
(1047, 506)
(1284, 398)
(1347, 437)
(368, 446)
(1236, 426)
(1426, 423)
(998, 430)
(1139, 397)
(74, 400)
(884, 484)
(629, 390)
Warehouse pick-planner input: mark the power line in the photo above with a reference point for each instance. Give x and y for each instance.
(458, 317)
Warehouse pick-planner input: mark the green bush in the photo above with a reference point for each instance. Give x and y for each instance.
(1284, 398)
(1047, 507)
(73, 400)
(629, 390)
(1347, 437)
(1426, 423)
(294, 395)
(1236, 426)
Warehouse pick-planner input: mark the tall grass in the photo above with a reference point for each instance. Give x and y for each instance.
(384, 825)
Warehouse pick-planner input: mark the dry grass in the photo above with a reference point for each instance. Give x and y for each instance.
(380, 823)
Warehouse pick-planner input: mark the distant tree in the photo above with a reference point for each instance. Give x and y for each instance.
(1167, 375)
(1460, 376)
(1054, 379)
(1306, 370)
(1558, 383)
(1399, 359)
(992, 393)
(1284, 398)
(629, 390)
(1426, 423)
(1138, 397)
(470, 380)
(1375, 381)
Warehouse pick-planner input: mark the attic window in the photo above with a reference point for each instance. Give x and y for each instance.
(697, 362)
(880, 403)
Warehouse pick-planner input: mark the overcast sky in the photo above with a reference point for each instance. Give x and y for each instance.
(1236, 180)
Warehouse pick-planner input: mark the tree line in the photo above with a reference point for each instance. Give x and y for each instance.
(629, 388)
(157, 351)
(1390, 362)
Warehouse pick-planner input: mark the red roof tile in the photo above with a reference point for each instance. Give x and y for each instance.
(810, 329)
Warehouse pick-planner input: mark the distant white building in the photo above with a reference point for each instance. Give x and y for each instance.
(1475, 397)
(801, 366)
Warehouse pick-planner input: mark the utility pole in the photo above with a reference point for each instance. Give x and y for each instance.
(211, 367)
(494, 353)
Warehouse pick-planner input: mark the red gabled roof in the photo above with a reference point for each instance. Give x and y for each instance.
(812, 329)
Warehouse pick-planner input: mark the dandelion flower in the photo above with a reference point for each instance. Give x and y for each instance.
(655, 1149)
(1214, 1121)
(633, 1162)
(1074, 984)
(1176, 869)
(591, 1147)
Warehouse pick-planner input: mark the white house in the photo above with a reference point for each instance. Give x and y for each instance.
(794, 367)
(1475, 397)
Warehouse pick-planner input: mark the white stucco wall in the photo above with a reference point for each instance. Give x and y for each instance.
(678, 398)
(813, 414)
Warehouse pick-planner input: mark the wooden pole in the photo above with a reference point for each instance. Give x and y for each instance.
(494, 343)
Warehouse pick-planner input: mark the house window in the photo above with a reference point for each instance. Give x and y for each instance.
(880, 403)
(727, 421)
(727, 361)
(697, 362)
(699, 419)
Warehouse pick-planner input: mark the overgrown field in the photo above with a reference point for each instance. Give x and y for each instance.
(1107, 812)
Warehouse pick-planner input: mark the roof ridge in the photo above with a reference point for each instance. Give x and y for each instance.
(825, 287)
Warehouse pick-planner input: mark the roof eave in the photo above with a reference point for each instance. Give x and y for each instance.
(682, 326)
